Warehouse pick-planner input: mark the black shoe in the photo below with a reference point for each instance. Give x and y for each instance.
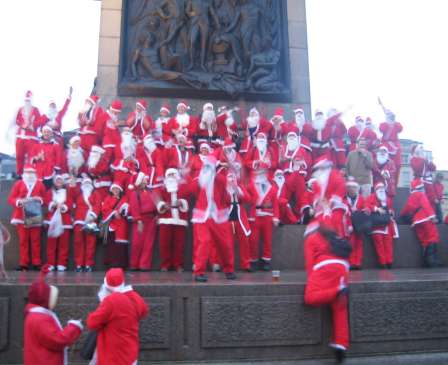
(201, 278)
(145, 270)
(21, 268)
(343, 291)
(230, 276)
(88, 269)
(355, 268)
(78, 269)
(253, 266)
(339, 355)
(36, 267)
(388, 266)
(265, 265)
(133, 270)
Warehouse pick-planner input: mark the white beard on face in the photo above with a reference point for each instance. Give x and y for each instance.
(171, 185)
(75, 158)
(86, 190)
(292, 144)
(160, 122)
(279, 180)
(261, 179)
(139, 116)
(127, 138)
(253, 122)
(87, 106)
(229, 121)
(60, 196)
(94, 158)
(183, 120)
(208, 117)
(26, 110)
(127, 150)
(319, 123)
(206, 176)
(360, 125)
(381, 159)
(150, 145)
(300, 121)
(29, 178)
(52, 113)
(381, 195)
(261, 145)
(230, 155)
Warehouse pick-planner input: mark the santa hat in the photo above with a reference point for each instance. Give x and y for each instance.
(228, 143)
(207, 106)
(383, 148)
(74, 139)
(114, 280)
(318, 111)
(142, 104)
(93, 99)
(116, 184)
(86, 180)
(28, 95)
(171, 171)
(116, 106)
(278, 113)
(291, 134)
(415, 147)
(359, 118)
(254, 110)
(322, 162)
(97, 149)
(184, 104)
(40, 293)
(261, 135)
(165, 107)
(222, 109)
(279, 172)
(52, 103)
(205, 145)
(379, 185)
(298, 110)
(351, 182)
(47, 128)
(417, 185)
(29, 168)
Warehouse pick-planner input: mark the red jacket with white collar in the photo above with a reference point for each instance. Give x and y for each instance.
(20, 191)
(61, 196)
(264, 203)
(173, 215)
(419, 207)
(139, 127)
(58, 120)
(27, 127)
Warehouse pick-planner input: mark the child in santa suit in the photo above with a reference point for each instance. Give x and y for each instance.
(138, 121)
(173, 221)
(423, 168)
(98, 168)
(423, 217)
(356, 203)
(143, 212)
(384, 170)
(327, 278)
(211, 221)
(264, 215)
(27, 122)
(87, 208)
(114, 210)
(45, 340)
(383, 236)
(59, 201)
(29, 188)
(91, 123)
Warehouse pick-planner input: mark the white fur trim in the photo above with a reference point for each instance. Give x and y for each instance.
(183, 205)
(76, 323)
(173, 221)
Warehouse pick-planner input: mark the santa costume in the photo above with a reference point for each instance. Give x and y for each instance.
(182, 123)
(98, 168)
(87, 208)
(229, 160)
(73, 160)
(45, 341)
(114, 210)
(138, 121)
(27, 122)
(227, 126)
(172, 208)
(423, 168)
(382, 236)
(286, 214)
(298, 125)
(211, 222)
(384, 170)
(143, 213)
(361, 131)
(91, 123)
(112, 136)
(261, 156)
(253, 125)
(327, 279)
(179, 155)
(264, 215)
(160, 131)
(390, 131)
(423, 218)
(338, 131)
(116, 321)
(208, 126)
(297, 147)
(198, 160)
(319, 136)
(277, 136)
(151, 160)
(29, 188)
(59, 201)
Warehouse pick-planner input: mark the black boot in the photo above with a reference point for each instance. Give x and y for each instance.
(230, 276)
(201, 278)
(265, 265)
(253, 266)
(339, 355)
(431, 256)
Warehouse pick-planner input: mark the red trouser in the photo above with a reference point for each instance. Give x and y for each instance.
(84, 247)
(172, 245)
(427, 233)
(261, 228)
(384, 246)
(356, 256)
(211, 233)
(23, 150)
(61, 245)
(339, 221)
(397, 160)
(322, 288)
(29, 236)
(286, 214)
(87, 141)
(142, 244)
(244, 244)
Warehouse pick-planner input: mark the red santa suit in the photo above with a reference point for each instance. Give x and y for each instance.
(299, 125)
(45, 157)
(382, 236)
(286, 214)
(384, 171)
(98, 168)
(229, 160)
(423, 215)
(91, 124)
(295, 186)
(73, 160)
(227, 126)
(183, 124)
(295, 148)
(139, 122)
(423, 169)
(253, 125)
(87, 208)
(117, 322)
(264, 214)
(58, 247)
(338, 132)
(160, 132)
(151, 160)
(177, 157)
(124, 171)
(173, 221)
(360, 131)
(390, 131)
(54, 120)
(45, 340)
(21, 191)
(327, 278)
(207, 130)
(27, 122)
(143, 212)
(261, 156)
(319, 136)
(112, 137)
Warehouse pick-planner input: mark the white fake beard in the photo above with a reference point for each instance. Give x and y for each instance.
(230, 155)
(171, 185)
(75, 158)
(183, 120)
(208, 117)
(381, 195)
(86, 191)
(279, 180)
(261, 146)
(59, 196)
(86, 108)
(382, 159)
(127, 138)
(139, 116)
(300, 121)
(128, 150)
(150, 145)
(319, 123)
(206, 176)
(260, 179)
(229, 121)
(29, 178)
(52, 113)
(292, 144)
(94, 158)
(160, 122)
(360, 125)
(253, 122)
(26, 110)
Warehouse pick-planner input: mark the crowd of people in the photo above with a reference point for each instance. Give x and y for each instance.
(127, 179)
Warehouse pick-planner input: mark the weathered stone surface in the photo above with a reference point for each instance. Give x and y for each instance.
(296, 10)
(259, 321)
(4, 323)
(112, 4)
(110, 23)
(297, 36)
(378, 317)
(155, 329)
(109, 51)
(107, 81)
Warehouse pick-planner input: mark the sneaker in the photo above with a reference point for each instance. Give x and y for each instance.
(201, 278)
(230, 276)
(36, 267)
(265, 265)
(78, 269)
(339, 353)
(216, 268)
(88, 269)
(61, 268)
(51, 268)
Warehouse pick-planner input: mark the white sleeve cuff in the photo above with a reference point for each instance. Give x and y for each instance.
(183, 205)
(76, 323)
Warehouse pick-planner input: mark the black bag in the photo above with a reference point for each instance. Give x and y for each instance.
(89, 346)
(380, 219)
(361, 222)
(340, 246)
